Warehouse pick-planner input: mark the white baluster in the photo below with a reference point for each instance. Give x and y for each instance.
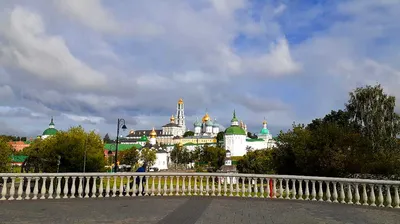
(134, 186)
(4, 189)
(58, 190)
(80, 187)
(268, 188)
(219, 186)
(159, 186)
(364, 195)
(294, 189)
(262, 188)
(201, 186)
(207, 185)
(108, 193)
(357, 194)
(177, 190)
(396, 197)
(28, 188)
(20, 188)
(388, 197)
(237, 187)
(73, 187)
(349, 195)
(243, 186)
(255, 187)
(230, 186)
(195, 185)
(101, 189)
(307, 193)
(274, 188)
(165, 191)
(36, 189)
(213, 186)
(190, 186)
(65, 191)
(335, 194)
(225, 186)
(300, 190)
(320, 192)
(87, 185)
(171, 186)
(121, 187)
(313, 191)
(287, 190)
(380, 196)
(183, 186)
(342, 194)
(114, 189)
(140, 190)
(94, 195)
(146, 190)
(51, 189)
(43, 190)
(12, 189)
(328, 191)
(280, 189)
(153, 186)
(372, 195)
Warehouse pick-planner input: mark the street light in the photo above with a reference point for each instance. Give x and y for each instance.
(120, 124)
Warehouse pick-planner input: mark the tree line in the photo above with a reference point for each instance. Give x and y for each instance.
(360, 139)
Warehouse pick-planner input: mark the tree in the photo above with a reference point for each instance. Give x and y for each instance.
(5, 156)
(188, 133)
(107, 139)
(214, 156)
(71, 146)
(148, 156)
(252, 135)
(373, 111)
(220, 138)
(129, 157)
(258, 162)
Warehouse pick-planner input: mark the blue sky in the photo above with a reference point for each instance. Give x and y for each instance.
(90, 62)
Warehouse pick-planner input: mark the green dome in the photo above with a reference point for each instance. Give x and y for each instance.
(264, 131)
(143, 138)
(209, 123)
(197, 123)
(235, 130)
(50, 131)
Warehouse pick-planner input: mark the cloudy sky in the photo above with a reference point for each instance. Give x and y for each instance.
(89, 62)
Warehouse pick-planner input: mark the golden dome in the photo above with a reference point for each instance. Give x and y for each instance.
(180, 101)
(206, 118)
(172, 119)
(131, 131)
(264, 122)
(153, 133)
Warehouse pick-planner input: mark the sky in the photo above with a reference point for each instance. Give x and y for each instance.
(91, 62)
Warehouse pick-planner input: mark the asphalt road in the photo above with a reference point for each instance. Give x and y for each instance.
(194, 210)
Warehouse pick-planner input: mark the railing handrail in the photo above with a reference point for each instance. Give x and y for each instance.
(269, 176)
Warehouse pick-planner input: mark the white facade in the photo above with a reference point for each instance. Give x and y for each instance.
(161, 160)
(236, 144)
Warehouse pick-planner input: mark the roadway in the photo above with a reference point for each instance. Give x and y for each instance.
(190, 210)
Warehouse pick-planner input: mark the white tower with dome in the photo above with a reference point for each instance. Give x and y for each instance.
(235, 138)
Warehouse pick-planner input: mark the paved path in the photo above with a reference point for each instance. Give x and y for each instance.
(193, 210)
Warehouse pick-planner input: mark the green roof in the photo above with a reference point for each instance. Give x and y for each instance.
(50, 131)
(264, 131)
(235, 130)
(18, 159)
(143, 139)
(121, 147)
(254, 140)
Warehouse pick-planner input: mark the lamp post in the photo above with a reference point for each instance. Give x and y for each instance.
(120, 124)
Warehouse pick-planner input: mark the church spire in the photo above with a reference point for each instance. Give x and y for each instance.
(51, 125)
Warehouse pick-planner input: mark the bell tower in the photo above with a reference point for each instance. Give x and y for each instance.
(180, 115)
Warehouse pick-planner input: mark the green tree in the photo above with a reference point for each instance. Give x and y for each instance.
(258, 162)
(71, 146)
(252, 135)
(107, 139)
(220, 138)
(373, 111)
(129, 157)
(148, 156)
(213, 156)
(188, 133)
(5, 156)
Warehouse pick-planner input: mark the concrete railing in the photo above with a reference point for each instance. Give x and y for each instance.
(33, 186)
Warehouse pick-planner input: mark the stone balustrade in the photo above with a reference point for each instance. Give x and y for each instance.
(32, 186)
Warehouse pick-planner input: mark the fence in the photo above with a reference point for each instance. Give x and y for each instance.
(16, 186)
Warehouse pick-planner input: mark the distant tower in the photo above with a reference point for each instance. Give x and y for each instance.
(180, 114)
(153, 136)
(197, 127)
